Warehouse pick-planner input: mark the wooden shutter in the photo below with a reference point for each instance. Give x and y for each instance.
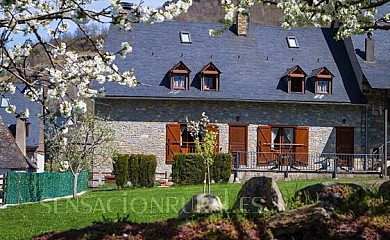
(173, 141)
(264, 144)
(302, 147)
(214, 128)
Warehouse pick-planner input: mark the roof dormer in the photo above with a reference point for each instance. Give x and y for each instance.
(295, 78)
(179, 76)
(210, 76)
(322, 79)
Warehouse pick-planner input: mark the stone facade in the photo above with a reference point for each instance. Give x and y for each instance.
(141, 124)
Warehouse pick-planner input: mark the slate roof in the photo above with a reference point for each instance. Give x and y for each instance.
(11, 157)
(22, 103)
(377, 73)
(251, 66)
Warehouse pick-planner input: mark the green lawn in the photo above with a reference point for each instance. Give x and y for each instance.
(141, 205)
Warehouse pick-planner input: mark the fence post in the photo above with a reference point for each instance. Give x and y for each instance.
(334, 173)
(236, 157)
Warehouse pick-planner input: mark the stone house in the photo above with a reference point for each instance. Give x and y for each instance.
(265, 89)
(28, 133)
(11, 156)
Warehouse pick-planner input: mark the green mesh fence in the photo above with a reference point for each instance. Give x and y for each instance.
(32, 187)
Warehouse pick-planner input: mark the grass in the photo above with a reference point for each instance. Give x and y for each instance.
(140, 205)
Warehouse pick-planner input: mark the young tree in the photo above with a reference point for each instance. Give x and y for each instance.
(205, 145)
(77, 147)
(355, 16)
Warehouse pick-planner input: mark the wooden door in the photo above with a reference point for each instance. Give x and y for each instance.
(173, 141)
(264, 154)
(238, 141)
(345, 145)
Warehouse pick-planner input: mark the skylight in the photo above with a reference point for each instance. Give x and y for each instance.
(4, 102)
(185, 37)
(292, 42)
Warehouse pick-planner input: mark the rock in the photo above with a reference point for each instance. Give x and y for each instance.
(384, 190)
(260, 194)
(329, 192)
(201, 204)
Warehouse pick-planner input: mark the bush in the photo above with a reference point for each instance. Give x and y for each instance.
(121, 169)
(221, 168)
(190, 168)
(142, 170)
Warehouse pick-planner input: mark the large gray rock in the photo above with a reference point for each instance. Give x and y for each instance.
(329, 192)
(201, 204)
(260, 194)
(384, 190)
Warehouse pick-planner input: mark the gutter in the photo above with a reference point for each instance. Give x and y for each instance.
(233, 100)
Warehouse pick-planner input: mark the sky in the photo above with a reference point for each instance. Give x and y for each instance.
(97, 5)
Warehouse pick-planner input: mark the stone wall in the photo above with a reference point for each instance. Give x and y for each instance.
(141, 124)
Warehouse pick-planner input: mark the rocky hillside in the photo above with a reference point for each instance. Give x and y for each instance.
(211, 11)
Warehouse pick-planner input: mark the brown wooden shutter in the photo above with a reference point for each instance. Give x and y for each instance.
(302, 147)
(214, 128)
(264, 144)
(173, 141)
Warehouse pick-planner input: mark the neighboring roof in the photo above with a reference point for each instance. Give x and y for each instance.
(251, 66)
(11, 157)
(377, 73)
(21, 104)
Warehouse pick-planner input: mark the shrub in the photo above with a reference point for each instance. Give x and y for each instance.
(221, 168)
(190, 168)
(121, 169)
(142, 170)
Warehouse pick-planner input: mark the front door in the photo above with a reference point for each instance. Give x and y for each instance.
(345, 145)
(238, 141)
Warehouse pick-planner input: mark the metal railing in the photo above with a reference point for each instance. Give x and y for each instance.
(308, 162)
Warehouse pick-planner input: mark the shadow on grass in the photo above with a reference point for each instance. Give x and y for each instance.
(119, 228)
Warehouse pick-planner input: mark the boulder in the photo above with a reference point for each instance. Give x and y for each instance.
(329, 192)
(201, 204)
(260, 194)
(384, 190)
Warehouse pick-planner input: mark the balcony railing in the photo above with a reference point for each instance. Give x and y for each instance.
(313, 162)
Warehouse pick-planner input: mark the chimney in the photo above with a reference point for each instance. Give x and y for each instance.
(242, 23)
(20, 135)
(370, 48)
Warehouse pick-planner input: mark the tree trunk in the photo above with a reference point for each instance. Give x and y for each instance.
(75, 177)
(208, 178)
(298, 219)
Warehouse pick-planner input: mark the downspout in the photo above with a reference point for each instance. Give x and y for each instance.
(366, 130)
(384, 170)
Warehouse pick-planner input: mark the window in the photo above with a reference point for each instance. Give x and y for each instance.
(286, 140)
(295, 78)
(282, 138)
(323, 79)
(322, 86)
(4, 102)
(187, 143)
(179, 76)
(292, 42)
(179, 140)
(185, 37)
(210, 77)
(179, 81)
(210, 82)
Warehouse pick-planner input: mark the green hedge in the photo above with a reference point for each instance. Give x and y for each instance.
(32, 187)
(121, 169)
(142, 170)
(190, 168)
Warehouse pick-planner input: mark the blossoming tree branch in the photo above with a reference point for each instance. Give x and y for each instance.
(40, 20)
(355, 16)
